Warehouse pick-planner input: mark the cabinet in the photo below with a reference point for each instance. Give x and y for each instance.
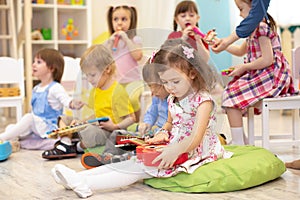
(52, 15)
(53, 18)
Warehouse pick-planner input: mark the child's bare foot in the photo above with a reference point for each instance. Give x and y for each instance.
(293, 165)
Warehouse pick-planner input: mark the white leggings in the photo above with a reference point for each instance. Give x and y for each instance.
(25, 126)
(114, 175)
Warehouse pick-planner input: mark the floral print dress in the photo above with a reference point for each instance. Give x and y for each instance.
(184, 114)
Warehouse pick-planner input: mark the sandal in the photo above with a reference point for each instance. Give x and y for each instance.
(60, 151)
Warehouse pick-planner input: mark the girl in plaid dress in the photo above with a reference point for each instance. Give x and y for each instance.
(265, 73)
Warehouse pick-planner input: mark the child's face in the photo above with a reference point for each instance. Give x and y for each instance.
(40, 69)
(121, 19)
(93, 75)
(158, 90)
(176, 83)
(243, 7)
(190, 17)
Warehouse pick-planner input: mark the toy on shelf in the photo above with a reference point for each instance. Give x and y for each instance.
(5, 150)
(69, 30)
(77, 2)
(68, 130)
(209, 37)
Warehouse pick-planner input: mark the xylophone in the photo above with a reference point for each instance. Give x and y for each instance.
(65, 131)
(145, 152)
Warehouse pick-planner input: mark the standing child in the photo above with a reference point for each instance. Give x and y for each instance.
(107, 98)
(190, 127)
(126, 48)
(265, 73)
(187, 17)
(154, 119)
(48, 99)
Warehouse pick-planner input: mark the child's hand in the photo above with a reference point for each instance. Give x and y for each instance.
(76, 104)
(159, 138)
(143, 128)
(186, 32)
(108, 125)
(167, 157)
(238, 70)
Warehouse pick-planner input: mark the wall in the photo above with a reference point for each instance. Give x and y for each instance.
(155, 19)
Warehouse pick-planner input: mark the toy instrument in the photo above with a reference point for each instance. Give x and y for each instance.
(208, 37)
(148, 153)
(65, 131)
(116, 41)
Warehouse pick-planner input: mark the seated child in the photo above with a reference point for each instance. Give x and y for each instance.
(107, 98)
(154, 119)
(47, 103)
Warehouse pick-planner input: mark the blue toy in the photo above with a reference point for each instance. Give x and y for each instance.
(5, 150)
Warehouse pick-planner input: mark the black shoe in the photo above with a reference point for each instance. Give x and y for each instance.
(60, 151)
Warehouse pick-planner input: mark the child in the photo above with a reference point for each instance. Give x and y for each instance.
(108, 99)
(48, 99)
(293, 165)
(126, 48)
(190, 127)
(264, 74)
(155, 118)
(187, 17)
(256, 14)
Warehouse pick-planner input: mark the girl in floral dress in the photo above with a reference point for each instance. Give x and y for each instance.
(190, 127)
(265, 73)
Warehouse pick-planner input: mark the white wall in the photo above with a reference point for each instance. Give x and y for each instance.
(151, 13)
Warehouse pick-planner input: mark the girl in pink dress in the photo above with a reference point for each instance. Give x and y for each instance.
(265, 73)
(189, 130)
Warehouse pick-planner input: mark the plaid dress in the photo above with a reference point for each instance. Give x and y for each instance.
(255, 85)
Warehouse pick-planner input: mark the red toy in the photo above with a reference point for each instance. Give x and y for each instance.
(148, 153)
(208, 37)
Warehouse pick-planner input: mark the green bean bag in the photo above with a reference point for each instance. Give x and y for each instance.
(249, 166)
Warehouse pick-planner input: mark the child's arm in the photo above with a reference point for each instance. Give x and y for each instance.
(135, 49)
(162, 136)
(203, 51)
(237, 50)
(265, 60)
(110, 126)
(172, 151)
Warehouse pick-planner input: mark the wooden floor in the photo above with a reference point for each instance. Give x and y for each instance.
(26, 175)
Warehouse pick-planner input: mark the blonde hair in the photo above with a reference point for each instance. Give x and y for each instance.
(98, 56)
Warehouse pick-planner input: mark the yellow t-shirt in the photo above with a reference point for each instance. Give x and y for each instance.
(113, 102)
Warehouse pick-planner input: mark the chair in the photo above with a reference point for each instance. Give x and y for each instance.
(279, 103)
(12, 77)
(71, 74)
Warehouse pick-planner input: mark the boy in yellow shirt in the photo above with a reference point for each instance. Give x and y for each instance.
(107, 98)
